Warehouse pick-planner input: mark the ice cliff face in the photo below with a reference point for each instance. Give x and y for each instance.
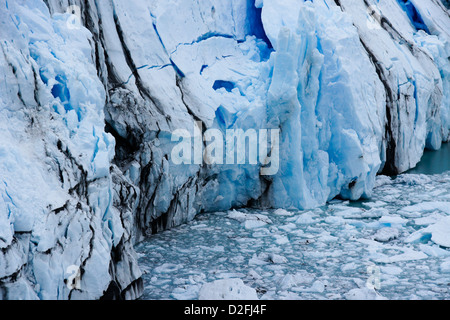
(357, 87)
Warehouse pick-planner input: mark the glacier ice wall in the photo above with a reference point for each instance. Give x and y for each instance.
(356, 87)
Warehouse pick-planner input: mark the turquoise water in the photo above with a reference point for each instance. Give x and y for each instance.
(434, 162)
(325, 253)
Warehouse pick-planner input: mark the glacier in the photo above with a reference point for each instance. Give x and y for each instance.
(89, 103)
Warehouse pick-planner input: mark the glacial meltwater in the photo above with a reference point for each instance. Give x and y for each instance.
(394, 246)
(434, 162)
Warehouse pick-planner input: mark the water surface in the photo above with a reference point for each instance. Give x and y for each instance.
(434, 162)
(326, 253)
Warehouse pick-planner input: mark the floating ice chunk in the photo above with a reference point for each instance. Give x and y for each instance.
(383, 180)
(391, 270)
(282, 212)
(267, 258)
(254, 224)
(376, 204)
(335, 220)
(339, 204)
(337, 201)
(445, 266)
(327, 237)
(288, 227)
(167, 268)
(287, 282)
(363, 294)
(386, 234)
(413, 179)
(350, 213)
(199, 226)
(227, 289)
(292, 280)
(376, 213)
(230, 275)
(392, 221)
(244, 217)
(306, 218)
(358, 213)
(434, 251)
(352, 266)
(408, 255)
(281, 239)
(428, 220)
(258, 260)
(186, 293)
(277, 259)
(410, 215)
(237, 259)
(197, 278)
(376, 249)
(318, 286)
(255, 275)
(428, 207)
(439, 233)
(218, 249)
(392, 196)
